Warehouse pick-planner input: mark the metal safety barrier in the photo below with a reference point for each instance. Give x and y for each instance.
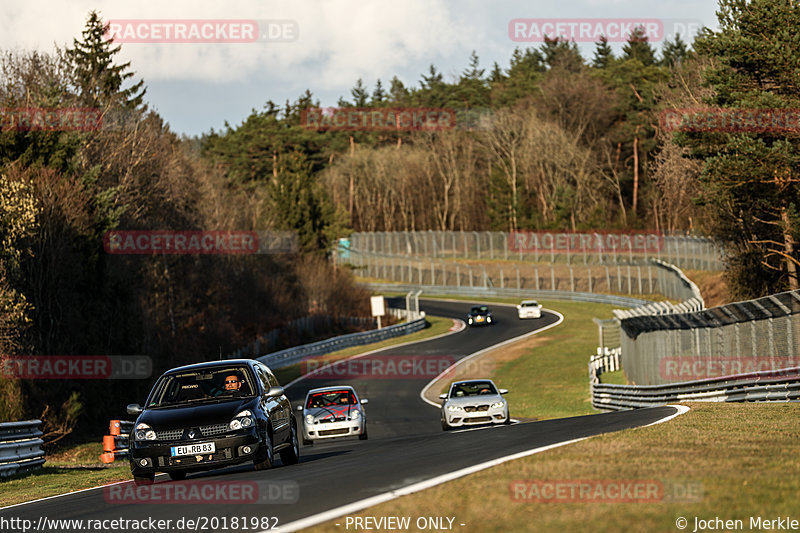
(766, 386)
(296, 354)
(495, 292)
(20, 447)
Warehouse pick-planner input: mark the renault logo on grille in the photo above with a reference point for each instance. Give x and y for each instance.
(191, 434)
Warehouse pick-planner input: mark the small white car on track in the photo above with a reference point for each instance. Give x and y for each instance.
(474, 402)
(529, 309)
(331, 412)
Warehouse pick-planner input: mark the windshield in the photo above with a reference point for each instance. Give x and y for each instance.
(329, 398)
(473, 388)
(203, 385)
(530, 304)
(482, 309)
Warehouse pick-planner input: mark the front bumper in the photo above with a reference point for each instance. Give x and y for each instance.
(228, 451)
(480, 321)
(332, 430)
(498, 415)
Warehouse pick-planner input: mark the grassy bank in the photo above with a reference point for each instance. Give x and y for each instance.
(731, 461)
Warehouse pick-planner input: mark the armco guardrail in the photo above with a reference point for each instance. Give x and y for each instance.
(769, 385)
(20, 447)
(489, 292)
(298, 353)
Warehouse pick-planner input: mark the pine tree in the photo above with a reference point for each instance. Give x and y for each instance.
(378, 95)
(638, 47)
(359, 93)
(99, 80)
(603, 54)
(398, 94)
(751, 178)
(673, 52)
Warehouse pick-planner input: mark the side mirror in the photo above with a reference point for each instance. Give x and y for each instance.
(443, 396)
(299, 407)
(134, 409)
(274, 392)
(364, 401)
(503, 391)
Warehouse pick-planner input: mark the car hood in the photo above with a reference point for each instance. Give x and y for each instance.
(332, 411)
(475, 400)
(195, 415)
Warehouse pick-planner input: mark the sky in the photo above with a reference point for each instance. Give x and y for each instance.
(320, 45)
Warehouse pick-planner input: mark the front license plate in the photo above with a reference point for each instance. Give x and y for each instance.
(193, 449)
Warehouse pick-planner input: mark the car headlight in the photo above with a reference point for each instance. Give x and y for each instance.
(355, 414)
(309, 419)
(453, 408)
(497, 405)
(242, 420)
(144, 432)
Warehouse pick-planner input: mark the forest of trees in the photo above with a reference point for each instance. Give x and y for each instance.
(562, 141)
(556, 140)
(61, 191)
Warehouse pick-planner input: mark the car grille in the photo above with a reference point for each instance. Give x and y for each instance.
(476, 408)
(329, 432)
(216, 429)
(328, 420)
(477, 419)
(169, 434)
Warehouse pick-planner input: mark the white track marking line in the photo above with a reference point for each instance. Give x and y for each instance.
(481, 352)
(428, 483)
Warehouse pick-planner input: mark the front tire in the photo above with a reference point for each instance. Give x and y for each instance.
(291, 455)
(266, 462)
(363, 436)
(445, 427)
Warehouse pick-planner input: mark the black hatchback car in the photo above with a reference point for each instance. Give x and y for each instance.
(479, 315)
(211, 415)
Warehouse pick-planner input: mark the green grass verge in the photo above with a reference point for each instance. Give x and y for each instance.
(436, 326)
(70, 469)
(735, 461)
(550, 379)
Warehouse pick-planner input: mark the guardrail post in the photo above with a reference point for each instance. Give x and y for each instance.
(590, 278)
(552, 278)
(491, 245)
(571, 280)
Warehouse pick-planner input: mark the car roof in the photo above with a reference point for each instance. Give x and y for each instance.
(213, 364)
(468, 381)
(529, 302)
(329, 389)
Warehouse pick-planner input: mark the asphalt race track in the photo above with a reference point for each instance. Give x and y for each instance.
(406, 444)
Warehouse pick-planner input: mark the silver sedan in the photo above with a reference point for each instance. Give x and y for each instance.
(473, 402)
(331, 412)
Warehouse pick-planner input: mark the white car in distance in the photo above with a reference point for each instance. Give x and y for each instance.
(529, 309)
